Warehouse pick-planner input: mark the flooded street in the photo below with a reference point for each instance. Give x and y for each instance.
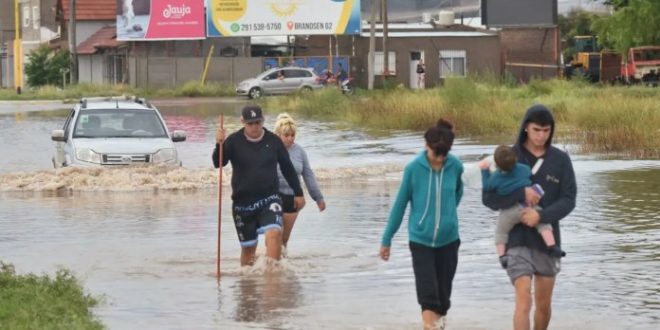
(144, 240)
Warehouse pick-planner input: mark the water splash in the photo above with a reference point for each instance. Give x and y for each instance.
(149, 178)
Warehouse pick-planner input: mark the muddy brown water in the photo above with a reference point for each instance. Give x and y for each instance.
(145, 240)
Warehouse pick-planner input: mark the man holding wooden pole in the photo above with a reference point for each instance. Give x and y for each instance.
(254, 153)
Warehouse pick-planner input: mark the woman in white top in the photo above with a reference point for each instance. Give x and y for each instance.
(285, 128)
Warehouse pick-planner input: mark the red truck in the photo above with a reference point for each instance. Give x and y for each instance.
(642, 65)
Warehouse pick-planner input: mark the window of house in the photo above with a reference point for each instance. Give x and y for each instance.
(36, 17)
(379, 63)
(26, 16)
(452, 63)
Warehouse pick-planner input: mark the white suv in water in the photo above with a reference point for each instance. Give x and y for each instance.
(115, 131)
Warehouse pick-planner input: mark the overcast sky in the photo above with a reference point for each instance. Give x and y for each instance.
(405, 9)
(566, 5)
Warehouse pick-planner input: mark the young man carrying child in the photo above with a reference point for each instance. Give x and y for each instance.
(510, 176)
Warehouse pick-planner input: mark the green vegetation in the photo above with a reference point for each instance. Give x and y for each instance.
(50, 92)
(603, 119)
(616, 120)
(39, 302)
(634, 23)
(575, 23)
(46, 66)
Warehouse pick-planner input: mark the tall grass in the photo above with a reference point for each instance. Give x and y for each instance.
(617, 120)
(189, 89)
(41, 302)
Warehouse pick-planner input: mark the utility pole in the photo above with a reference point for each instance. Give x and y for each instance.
(372, 45)
(18, 53)
(72, 42)
(3, 51)
(386, 57)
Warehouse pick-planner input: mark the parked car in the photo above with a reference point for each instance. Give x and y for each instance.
(279, 81)
(115, 131)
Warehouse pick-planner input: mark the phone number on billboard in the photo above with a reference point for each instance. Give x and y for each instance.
(256, 27)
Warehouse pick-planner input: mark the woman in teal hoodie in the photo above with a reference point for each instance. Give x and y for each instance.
(433, 187)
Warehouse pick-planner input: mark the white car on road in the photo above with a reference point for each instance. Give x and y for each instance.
(115, 131)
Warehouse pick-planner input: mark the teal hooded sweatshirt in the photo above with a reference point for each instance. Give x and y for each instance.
(433, 197)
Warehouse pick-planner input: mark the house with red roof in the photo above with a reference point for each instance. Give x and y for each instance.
(101, 58)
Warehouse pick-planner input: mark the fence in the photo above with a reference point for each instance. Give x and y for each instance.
(170, 72)
(524, 72)
(6, 71)
(319, 63)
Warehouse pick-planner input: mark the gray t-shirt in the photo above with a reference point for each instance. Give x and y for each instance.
(301, 164)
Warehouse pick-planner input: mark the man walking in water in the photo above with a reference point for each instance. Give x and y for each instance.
(254, 153)
(528, 259)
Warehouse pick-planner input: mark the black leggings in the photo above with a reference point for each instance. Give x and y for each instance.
(434, 273)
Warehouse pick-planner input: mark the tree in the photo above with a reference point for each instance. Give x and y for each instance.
(617, 4)
(576, 23)
(634, 23)
(45, 66)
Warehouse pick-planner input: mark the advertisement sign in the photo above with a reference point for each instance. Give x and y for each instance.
(497, 13)
(247, 18)
(160, 19)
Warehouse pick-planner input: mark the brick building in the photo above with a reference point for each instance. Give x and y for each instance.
(450, 50)
(531, 52)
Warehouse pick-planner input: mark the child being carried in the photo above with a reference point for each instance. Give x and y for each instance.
(507, 178)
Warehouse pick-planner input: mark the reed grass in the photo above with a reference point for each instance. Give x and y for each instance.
(41, 302)
(189, 89)
(616, 120)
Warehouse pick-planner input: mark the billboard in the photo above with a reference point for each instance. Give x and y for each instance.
(503, 13)
(243, 18)
(160, 19)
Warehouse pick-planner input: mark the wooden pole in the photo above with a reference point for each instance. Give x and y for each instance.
(206, 66)
(386, 54)
(222, 122)
(372, 45)
(72, 43)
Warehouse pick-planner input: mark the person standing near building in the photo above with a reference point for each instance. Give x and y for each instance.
(285, 128)
(255, 153)
(529, 262)
(341, 74)
(421, 71)
(432, 186)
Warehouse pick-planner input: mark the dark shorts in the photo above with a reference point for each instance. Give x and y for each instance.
(523, 261)
(257, 218)
(287, 204)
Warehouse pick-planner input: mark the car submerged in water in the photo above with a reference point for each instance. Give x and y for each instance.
(115, 131)
(284, 80)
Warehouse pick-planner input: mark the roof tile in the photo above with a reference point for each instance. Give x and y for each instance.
(92, 10)
(105, 37)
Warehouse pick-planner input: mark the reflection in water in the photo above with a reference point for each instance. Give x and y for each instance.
(633, 210)
(635, 199)
(267, 298)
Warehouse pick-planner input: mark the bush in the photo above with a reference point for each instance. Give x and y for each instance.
(46, 66)
(40, 302)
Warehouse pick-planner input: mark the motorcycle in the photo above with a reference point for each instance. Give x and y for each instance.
(346, 86)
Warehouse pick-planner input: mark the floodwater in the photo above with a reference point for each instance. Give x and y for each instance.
(144, 239)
